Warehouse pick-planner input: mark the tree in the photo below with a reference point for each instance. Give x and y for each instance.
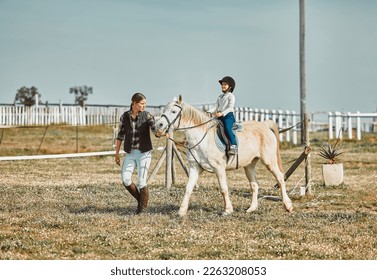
(27, 96)
(81, 94)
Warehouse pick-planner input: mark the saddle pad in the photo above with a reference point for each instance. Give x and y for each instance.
(237, 127)
(221, 140)
(220, 144)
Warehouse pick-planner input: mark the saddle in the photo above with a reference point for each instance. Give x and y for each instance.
(220, 131)
(222, 141)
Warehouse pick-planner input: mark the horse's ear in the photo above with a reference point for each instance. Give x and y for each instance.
(180, 99)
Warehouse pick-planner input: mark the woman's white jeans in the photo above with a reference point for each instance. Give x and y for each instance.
(139, 160)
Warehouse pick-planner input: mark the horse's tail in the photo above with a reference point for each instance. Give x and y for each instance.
(273, 126)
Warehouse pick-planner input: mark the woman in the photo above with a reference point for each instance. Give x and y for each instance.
(134, 130)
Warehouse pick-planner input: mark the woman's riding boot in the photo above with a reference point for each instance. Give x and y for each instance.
(135, 193)
(144, 196)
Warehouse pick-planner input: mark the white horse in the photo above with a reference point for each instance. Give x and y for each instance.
(258, 140)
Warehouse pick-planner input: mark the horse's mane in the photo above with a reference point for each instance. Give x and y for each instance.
(190, 113)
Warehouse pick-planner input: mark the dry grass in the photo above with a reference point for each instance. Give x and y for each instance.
(78, 209)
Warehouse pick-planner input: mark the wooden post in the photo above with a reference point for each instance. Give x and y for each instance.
(169, 154)
(302, 71)
(308, 165)
(304, 115)
(177, 153)
(2, 135)
(173, 169)
(157, 167)
(43, 138)
(168, 172)
(294, 166)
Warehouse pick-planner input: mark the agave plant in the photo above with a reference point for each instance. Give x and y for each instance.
(331, 153)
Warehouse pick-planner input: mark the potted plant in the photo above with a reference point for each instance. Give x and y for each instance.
(332, 170)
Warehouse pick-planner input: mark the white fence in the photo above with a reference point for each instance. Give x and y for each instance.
(283, 118)
(72, 115)
(336, 123)
(352, 123)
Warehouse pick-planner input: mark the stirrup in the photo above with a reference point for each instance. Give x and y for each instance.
(230, 159)
(232, 150)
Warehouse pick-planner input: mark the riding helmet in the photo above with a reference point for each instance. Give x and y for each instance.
(229, 81)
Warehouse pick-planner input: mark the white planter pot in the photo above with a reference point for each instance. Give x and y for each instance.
(332, 174)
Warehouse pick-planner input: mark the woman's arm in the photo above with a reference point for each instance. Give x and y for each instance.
(118, 143)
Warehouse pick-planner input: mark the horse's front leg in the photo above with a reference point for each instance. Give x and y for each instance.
(221, 176)
(193, 178)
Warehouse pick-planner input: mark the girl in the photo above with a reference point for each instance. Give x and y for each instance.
(224, 109)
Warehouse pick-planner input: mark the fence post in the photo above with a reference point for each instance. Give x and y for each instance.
(338, 125)
(256, 115)
(331, 135)
(241, 114)
(262, 115)
(60, 111)
(358, 126)
(266, 114)
(236, 113)
(247, 113)
(280, 124)
(294, 132)
(251, 114)
(288, 133)
(273, 115)
(7, 115)
(349, 124)
(41, 114)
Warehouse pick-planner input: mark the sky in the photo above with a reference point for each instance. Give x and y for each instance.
(164, 48)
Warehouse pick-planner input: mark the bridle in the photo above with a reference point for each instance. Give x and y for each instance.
(178, 117)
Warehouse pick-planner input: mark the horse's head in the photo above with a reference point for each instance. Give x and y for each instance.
(170, 116)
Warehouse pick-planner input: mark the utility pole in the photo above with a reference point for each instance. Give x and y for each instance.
(304, 114)
(302, 72)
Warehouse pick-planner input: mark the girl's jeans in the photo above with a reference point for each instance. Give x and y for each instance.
(136, 159)
(228, 121)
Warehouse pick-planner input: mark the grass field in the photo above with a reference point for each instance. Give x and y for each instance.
(78, 209)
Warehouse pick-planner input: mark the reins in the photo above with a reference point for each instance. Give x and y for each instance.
(195, 126)
(189, 148)
(179, 115)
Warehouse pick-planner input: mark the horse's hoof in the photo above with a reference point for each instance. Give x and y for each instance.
(227, 213)
(251, 209)
(182, 214)
(289, 208)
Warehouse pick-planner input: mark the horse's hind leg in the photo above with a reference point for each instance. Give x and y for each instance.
(221, 176)
(193, 178)
(251, 176)
(279, 176)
